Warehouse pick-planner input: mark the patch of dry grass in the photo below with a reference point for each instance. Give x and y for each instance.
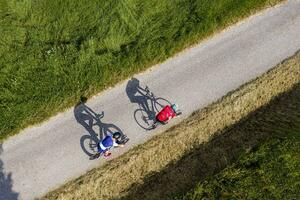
(129, 171)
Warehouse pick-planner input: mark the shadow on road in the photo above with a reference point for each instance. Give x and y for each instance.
(148, 104)
(91, 120)
(6, 191)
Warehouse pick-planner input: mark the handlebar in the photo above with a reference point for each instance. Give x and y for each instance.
(148, 92)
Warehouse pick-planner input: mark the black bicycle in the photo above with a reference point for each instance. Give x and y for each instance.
(145, 118)
(122, 141)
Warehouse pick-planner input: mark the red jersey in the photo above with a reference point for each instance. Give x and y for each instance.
(166, 113)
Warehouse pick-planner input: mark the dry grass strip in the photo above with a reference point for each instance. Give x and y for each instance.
(113, 180)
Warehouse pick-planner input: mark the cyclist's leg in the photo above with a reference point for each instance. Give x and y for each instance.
(160, 122)
(97, 154)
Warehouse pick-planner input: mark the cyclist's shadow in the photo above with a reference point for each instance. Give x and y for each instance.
(90, 120)
(148, 104)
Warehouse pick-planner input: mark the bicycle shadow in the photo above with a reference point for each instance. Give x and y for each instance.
(90, 120)
(149, 105)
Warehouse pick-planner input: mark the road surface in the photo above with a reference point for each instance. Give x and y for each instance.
(43, 157)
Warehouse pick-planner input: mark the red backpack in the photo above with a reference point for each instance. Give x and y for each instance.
(165, 114)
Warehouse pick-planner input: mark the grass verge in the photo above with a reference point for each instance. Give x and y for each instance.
(135, 174)
(53, 52)
(270, 171)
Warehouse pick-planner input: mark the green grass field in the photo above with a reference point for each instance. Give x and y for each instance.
(53, 52)
(269, 172)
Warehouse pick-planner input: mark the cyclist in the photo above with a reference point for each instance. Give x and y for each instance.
(167, 113)
(108, 142)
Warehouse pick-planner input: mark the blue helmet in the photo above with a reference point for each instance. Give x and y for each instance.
(174, 107)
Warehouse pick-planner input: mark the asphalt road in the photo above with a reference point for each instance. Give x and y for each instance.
(43, 157)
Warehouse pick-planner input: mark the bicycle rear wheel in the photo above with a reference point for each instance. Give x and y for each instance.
(143, 119)
(95, 156)
(89, 144)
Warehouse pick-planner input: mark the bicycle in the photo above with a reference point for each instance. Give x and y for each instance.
(124, 139)
(146, 118)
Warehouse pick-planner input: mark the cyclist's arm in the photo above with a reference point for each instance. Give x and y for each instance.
(116, 144)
